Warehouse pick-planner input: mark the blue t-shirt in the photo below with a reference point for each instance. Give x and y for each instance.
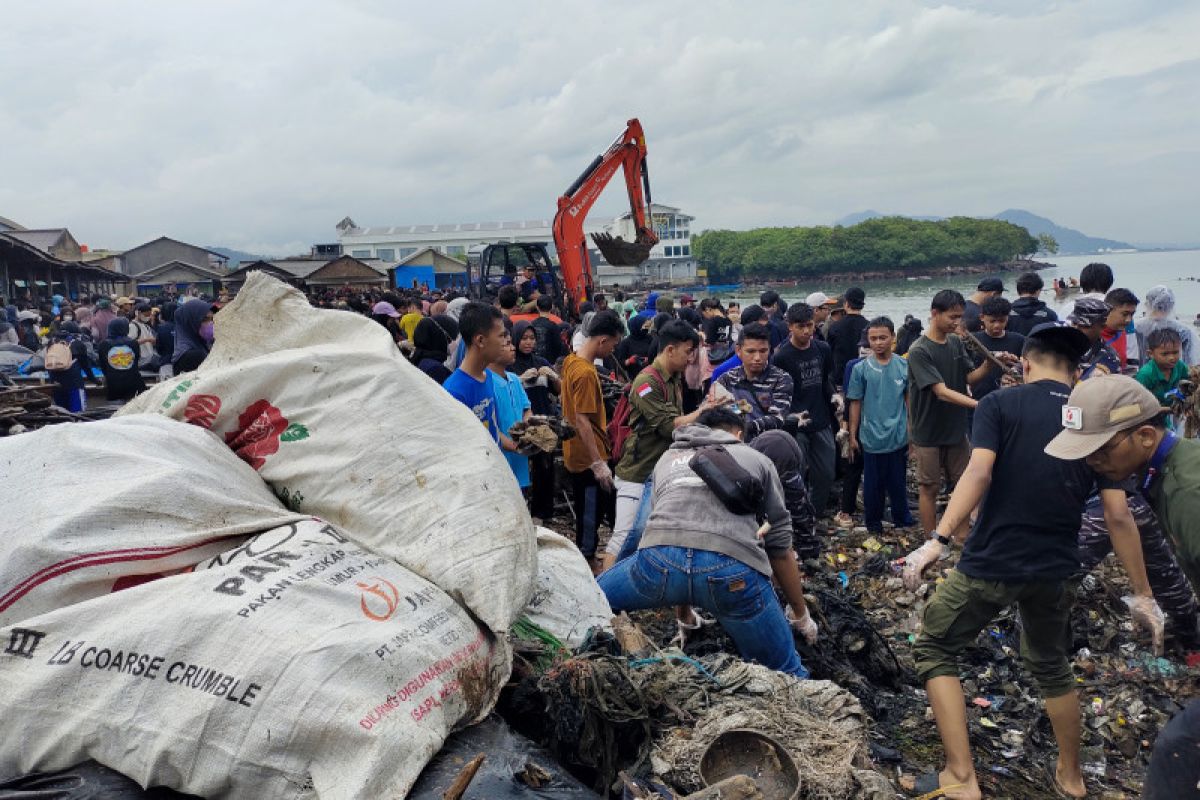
(478, 396)
(883, 421)
(511, 404)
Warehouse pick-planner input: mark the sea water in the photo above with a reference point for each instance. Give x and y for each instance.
(1177, 269)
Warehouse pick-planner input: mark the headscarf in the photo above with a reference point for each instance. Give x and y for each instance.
(188, 318)
(432, 338)
(117, 328)
(455, 307)
(438, 309)
(524, 361)
(638, 325)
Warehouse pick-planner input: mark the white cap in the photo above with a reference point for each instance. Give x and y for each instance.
(818, 299)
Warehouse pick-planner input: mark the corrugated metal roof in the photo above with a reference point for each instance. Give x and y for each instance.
(41, 239)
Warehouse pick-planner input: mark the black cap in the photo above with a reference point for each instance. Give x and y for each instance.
(1066, 339)
(856, 298)
(991, 285)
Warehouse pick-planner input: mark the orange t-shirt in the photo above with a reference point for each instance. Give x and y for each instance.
(581, 396)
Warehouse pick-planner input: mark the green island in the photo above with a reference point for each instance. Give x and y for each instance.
(881, 247)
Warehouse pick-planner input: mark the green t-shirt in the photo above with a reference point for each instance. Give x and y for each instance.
(1152, 378)
(1175, 497)
(935, 423)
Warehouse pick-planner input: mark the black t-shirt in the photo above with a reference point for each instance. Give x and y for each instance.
(812, 386)
(120, 360)
(549, 339)
(843, 338)
(189, 361)
(934, 422)
(1029, 520)
(1008, 343)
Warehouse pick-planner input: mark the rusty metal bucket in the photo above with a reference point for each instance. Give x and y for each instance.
(620, 253)
(756, 755)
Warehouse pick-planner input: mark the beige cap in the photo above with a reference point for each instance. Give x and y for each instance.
(123, 301)
(819, 299)
(1097, 409)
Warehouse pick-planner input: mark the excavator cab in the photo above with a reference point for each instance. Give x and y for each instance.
(526, 265)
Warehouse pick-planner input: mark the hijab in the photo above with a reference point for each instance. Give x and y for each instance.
(525, 361)
(432, 338)
(188, 318)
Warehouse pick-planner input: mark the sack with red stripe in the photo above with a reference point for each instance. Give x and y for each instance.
(91, 509)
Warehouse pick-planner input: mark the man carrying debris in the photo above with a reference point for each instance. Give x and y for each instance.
(586, 455)
(703, 544)
(656, 397)
(1118, 426)
(1022, 550)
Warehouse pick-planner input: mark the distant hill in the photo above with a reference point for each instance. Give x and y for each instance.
(235, 256)
(1069, 240)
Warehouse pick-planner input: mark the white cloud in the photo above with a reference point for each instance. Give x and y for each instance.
(257, 125)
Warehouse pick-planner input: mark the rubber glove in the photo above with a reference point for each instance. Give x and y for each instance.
(603, 474)
(805, 625)
(1146, 614)
(916, 562)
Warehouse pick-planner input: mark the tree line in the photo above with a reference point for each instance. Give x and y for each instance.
(885, 244)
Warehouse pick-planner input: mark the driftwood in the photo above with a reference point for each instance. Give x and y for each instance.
(455, 792)
(976, 348)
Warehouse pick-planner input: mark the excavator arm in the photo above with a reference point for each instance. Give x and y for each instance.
(627, 152)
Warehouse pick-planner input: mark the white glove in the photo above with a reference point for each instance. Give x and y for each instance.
(1146, 614)
(806, 626)
(839, 403)
(603, 474)
(916, 562)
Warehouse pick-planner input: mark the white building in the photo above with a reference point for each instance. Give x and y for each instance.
(670, 260)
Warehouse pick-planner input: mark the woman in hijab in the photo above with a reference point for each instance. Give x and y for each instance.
(635, 352)
(193, 320)
(120, 361)
(431, 346)
(785, 454)
(540, 382)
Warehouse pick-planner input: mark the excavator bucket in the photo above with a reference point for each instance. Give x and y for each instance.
(620, 253)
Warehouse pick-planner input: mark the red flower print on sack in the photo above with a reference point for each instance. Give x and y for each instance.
(202, 410)
(257, 434)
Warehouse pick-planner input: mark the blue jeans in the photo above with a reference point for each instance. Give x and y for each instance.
(885, 474)
(740, 597)
(633, 510)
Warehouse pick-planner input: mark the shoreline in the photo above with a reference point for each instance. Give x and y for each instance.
(1019, 265)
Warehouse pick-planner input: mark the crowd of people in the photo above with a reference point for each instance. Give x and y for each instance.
(703, 444)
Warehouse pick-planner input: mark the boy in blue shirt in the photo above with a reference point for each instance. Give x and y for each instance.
(876, 390)
(512, 406)
(485, 338)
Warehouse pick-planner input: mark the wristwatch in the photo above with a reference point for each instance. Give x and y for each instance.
(943, 540)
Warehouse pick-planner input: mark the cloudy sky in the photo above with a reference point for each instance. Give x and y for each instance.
(260, 125)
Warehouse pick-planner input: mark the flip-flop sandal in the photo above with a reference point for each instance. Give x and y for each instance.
(1052, 776)
(928, 787)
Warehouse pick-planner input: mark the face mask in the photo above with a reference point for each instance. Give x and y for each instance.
(68, 317)
(206, 332)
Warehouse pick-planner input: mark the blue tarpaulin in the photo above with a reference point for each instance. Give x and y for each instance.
(405, 276)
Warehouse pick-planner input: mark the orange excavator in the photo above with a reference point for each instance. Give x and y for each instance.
(574, 282)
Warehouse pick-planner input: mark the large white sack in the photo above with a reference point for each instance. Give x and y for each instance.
(567, 601)
(297, 666)
(91, 508)
(322, 404)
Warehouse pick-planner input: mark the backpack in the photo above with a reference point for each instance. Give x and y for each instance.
(59, 356)
(619, 426)
(740, 492)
